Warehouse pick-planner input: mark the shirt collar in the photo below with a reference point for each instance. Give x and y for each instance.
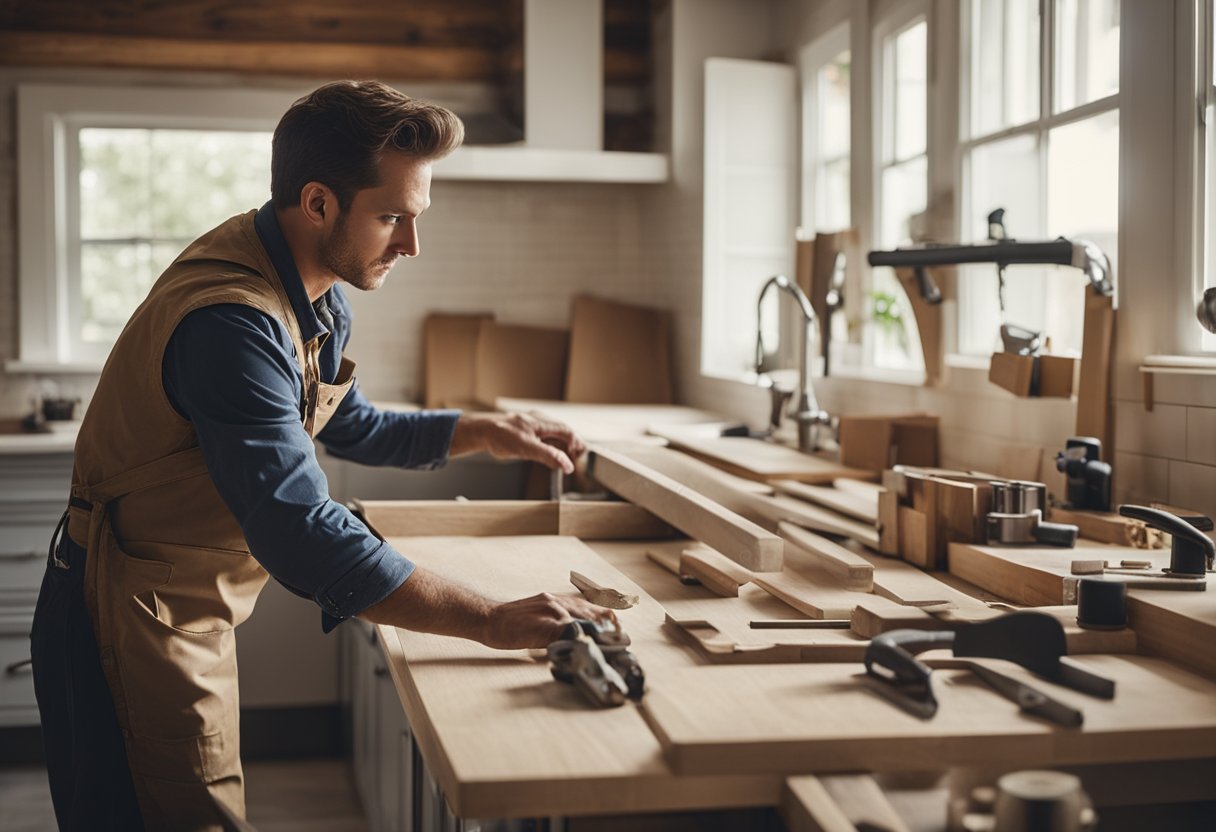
(271, 235)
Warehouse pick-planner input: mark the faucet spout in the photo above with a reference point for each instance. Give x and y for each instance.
(805, 409)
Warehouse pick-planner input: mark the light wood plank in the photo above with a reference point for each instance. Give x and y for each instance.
(863, 507)
(837, 803)
(779, 509)
(756, 459)
(714, 570)
(852, 569)
(609, 520)
(1179, 626)
(419, 518)
(821, 718)
(692, 513)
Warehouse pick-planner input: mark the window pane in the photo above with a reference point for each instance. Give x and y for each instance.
(832, 196)
(893, 329)
(1005, 175)
(1086, 51)
(833, 102)
(144, 195)
(1082, 202)
(911, 67)
(1004, 64)
(115, 183)
(203, 177)
(1208, 339)
(903, 194)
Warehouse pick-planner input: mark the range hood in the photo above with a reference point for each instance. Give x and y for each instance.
(563, 109)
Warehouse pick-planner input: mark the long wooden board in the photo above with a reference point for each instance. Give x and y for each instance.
(863, 507)
(503, 738)
(755, 459)
(586, 519)
(689, 511)
(818, 718)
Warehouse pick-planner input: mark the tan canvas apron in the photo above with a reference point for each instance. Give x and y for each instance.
(169, 577)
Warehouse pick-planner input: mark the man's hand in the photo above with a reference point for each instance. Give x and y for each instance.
(428, 603)
(538, 621)
(518, 436)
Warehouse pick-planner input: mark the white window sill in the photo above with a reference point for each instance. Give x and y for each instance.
(46, 368)
(1197, 365)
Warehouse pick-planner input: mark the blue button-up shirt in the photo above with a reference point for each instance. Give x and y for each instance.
(231, 370)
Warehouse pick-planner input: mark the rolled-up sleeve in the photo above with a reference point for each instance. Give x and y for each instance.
(360, 432)
(230, 370)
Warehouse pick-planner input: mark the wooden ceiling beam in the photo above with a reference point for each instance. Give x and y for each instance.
(314, 60)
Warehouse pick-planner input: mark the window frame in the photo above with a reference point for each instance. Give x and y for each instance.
(1038, 129)
(1202, 105)
(813, 58)
(49, 118)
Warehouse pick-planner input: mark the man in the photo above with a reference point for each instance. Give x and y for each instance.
(195, 475)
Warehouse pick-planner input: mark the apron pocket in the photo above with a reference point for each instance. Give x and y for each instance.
(205, 758)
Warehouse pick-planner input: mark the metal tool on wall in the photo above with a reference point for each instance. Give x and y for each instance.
(1089, 478)
(597, 661)
(1016, 517)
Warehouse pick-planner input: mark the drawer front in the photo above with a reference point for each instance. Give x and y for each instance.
(16, 680)
(23, 560)
(35, 476)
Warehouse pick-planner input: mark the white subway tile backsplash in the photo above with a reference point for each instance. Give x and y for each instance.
(1140, 479)
(1201, 435)
(1193, 486)
(1184, 388)
(1159, 432)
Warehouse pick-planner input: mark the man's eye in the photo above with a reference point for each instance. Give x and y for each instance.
(395, 219)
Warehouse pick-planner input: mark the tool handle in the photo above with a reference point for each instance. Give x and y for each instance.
(895, 651)
(1171, 524)
(1056, 534)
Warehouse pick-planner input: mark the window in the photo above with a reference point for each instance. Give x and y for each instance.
(113, 183)
(902, 182)
(1041, 140)
(1206, 276)
(826, 133)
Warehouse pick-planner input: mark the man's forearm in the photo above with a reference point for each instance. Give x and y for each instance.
(430, 604)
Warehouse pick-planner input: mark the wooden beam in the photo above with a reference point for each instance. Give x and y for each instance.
(856, 572)
(314, 60)
(694, 514)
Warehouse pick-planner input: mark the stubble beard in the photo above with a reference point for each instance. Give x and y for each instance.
(339, 256)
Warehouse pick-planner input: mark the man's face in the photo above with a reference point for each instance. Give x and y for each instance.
(380, 225)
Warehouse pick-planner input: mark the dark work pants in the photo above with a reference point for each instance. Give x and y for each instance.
(86, 759)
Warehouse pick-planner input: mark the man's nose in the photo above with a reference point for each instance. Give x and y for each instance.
(405, 241)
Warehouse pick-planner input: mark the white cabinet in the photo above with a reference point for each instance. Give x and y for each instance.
(33, 494)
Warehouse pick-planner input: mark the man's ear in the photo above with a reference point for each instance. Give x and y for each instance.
(315, 200)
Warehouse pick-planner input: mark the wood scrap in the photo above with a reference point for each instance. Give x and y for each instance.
(854, 571)
(692, 513)
(1105, 527)
(715, 571)
(604, 596)
(720, 648)
(850, 504)
(862, 488)
(779, 508)
(710, 480)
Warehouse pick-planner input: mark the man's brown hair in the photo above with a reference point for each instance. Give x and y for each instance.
(337, 134)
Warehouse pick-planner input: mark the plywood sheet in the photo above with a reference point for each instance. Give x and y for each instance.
(619, 353)
(756, 459)
(506, 740)
(601, 423)
(817, 718)
(449, 358)
(524, 361)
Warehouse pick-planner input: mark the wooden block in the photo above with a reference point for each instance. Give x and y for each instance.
(867, 441)
(1016, 373)
(869, 620)
(1011, 372)
(957, 519)
(815, 598)
(519, 361)
(668, 559)
(863, 507)
(604, 596)
(619, 353)
(888, 523)
(854, 571)
(694, 514)
(715, 571)
(449, 358)
(482, 518)
(609, 520)
(1056, 376)
(837, 803)
(913, 537)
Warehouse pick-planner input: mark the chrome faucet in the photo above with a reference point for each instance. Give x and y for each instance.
(805, 409)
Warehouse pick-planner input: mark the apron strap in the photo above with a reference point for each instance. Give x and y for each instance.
(179, 466)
